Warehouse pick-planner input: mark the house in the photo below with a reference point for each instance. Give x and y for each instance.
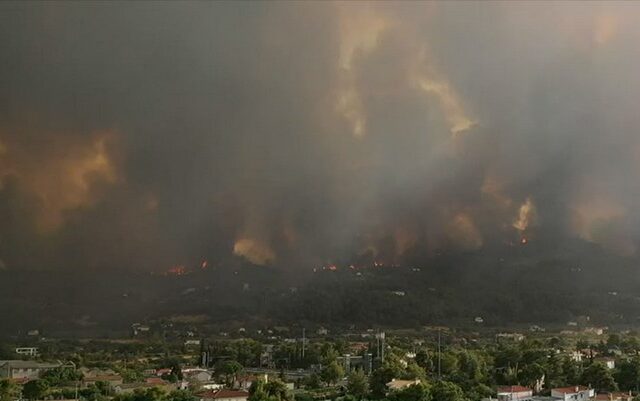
(244, 382)
(138, 329)
(212, 386)
(573, 393)
(224, 395)
(29, 351)
(397, 384)
(598, 331)
(614, 397)
(197, 375)
(514, 393)
(16, 369)
(576, 356)
(86, 372)
(609, 362)
(354, 362)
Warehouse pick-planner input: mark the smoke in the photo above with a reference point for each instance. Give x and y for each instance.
(146, 135)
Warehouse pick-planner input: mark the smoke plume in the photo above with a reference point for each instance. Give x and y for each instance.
(145, 135)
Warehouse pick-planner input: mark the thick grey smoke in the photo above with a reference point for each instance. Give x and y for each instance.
(143, 135)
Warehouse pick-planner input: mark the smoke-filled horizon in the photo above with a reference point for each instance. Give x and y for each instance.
(149, 134)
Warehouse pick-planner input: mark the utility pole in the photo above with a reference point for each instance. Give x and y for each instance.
(439, 355)
(304, 341)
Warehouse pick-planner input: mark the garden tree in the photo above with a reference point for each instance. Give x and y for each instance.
(446, 391)
(176, 371)
(57, 377)
(424, 361)
(312, 381)
(556, 342)
(131, 375)
(614, 341)
(357, 384)
(630, 344)
(332, 372)
(413, 371)
(92, 393)
(175, 374)
(285, 354)
(478, 392)
(599, 377)
(150, 394)
(448, 363)
(274, 390)
(328, 353)
(8, 390)
(582, 344)
(277, 390)
(572, 371)
(104, 388)
(530, 373)
(180, 395)
(472, 368)
(35, 389)
(554, 375)
(257, 391)
(248, 352)
(230, 370)
(415, 392)
(379, 379)
(628, 374)
(507, 363)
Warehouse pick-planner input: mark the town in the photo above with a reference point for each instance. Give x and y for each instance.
(319, 200)
(166, 360)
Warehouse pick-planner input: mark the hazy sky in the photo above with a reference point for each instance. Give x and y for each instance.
(150, 134)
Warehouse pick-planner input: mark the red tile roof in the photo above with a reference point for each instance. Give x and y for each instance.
(513, 389)
(570, 390)
(224, 393)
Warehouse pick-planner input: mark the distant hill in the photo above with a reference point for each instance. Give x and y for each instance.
(505, 285)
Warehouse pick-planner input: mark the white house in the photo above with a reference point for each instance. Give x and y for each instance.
(514, 393)
(610, 363)
(17, 369)
(30, 351)
(573, 393)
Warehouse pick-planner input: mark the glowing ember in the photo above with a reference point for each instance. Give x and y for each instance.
(176, 271)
